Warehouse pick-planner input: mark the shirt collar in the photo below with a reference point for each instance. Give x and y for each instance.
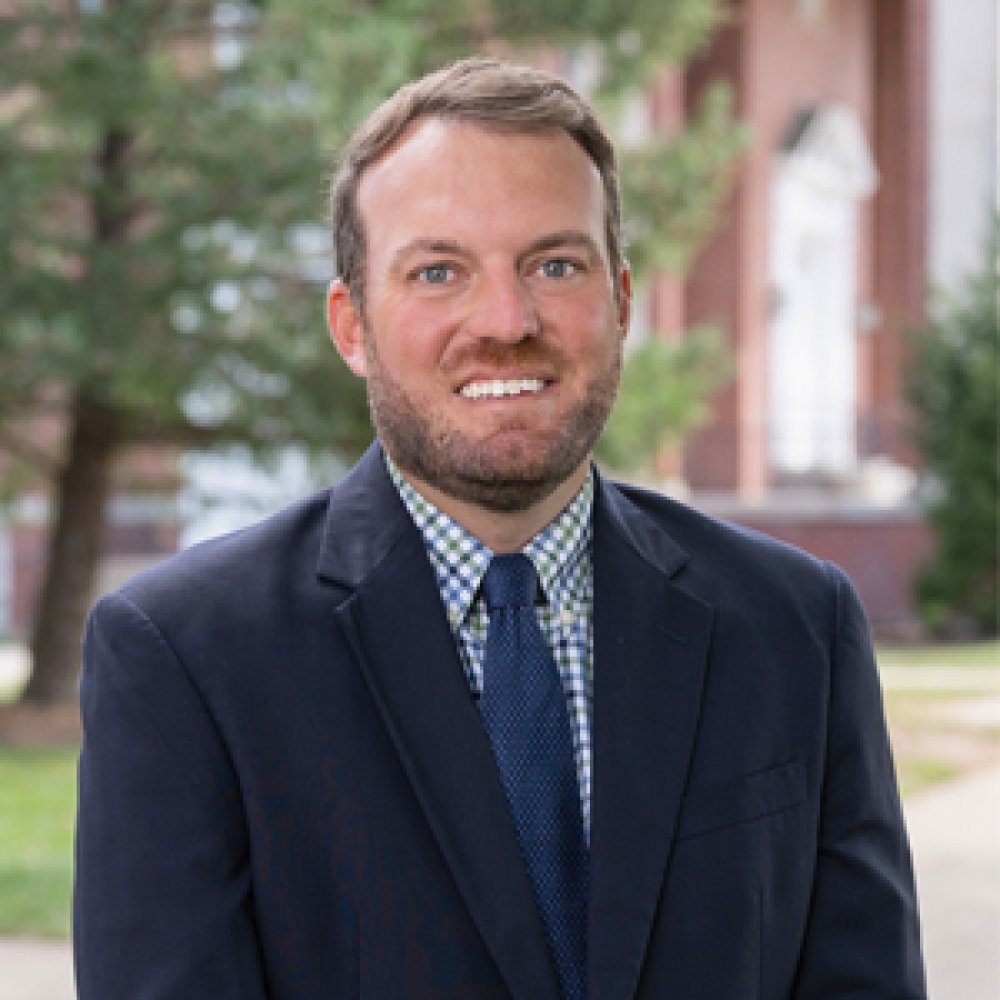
(559, 551)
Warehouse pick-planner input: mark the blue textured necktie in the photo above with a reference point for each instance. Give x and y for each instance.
(523, 708)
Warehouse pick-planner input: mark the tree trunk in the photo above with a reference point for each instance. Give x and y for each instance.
(75, 547)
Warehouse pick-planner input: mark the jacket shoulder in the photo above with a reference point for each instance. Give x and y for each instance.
(729, 564)
(237, 569)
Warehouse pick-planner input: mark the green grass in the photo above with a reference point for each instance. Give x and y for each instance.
(922, 772)
(960, 655)
(37, 805)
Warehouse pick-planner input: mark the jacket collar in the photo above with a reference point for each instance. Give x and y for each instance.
(366, 519)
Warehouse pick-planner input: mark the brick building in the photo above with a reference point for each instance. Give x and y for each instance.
(815, 272)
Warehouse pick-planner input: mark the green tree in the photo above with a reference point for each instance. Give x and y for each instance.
(160, 191)
(954, 390)
(664, 392)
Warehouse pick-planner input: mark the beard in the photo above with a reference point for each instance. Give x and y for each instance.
(506, 472)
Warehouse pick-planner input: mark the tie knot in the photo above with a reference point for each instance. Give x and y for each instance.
(510, 582)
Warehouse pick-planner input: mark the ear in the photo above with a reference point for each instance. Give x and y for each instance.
(346, 329)
(624, 299)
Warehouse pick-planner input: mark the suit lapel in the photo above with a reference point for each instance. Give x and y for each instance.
(650, 650)
(396, 626)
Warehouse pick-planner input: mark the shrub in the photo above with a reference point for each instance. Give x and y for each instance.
(954, 391)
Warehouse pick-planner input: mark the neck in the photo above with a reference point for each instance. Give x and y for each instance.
(503, 532)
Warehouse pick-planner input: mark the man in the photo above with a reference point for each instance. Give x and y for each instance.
(322, 756)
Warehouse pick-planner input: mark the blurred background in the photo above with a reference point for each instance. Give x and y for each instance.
(811, 195)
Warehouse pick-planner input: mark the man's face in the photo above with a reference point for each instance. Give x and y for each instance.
(492, 333)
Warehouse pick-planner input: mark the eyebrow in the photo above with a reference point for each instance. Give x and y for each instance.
(551, 241)
(426, 246)
(563, 238)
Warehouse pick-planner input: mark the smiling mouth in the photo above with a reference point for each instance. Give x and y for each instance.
(502, 388)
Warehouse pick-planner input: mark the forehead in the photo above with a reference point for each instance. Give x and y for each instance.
(454, 175)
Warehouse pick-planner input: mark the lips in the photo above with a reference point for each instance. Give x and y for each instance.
(501, 388)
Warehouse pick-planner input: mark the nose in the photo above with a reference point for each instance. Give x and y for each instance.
(504, 308)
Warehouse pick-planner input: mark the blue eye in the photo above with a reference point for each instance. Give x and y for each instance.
(558, 267)
(435, 274)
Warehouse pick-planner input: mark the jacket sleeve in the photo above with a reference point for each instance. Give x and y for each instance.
(161, 906)
(862, 937)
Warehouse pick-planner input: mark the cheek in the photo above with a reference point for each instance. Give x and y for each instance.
(594, 335)
(407, 340)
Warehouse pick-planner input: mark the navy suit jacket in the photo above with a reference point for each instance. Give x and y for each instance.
(286, 791)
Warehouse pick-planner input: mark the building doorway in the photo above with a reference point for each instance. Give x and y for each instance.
(824, 171)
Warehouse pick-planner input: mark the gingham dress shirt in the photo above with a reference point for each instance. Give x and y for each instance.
(561, 554)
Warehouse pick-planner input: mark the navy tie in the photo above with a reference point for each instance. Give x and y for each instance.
(523, 708)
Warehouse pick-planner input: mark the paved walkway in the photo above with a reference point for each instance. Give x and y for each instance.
(35, 970)
(955, 831)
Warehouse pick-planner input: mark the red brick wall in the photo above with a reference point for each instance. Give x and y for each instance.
(869, 55)
(715, 285)
(881, 553)
(900, 206)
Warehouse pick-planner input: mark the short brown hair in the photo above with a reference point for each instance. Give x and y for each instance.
(485, 92)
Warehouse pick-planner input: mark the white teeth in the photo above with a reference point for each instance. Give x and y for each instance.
(497, 388)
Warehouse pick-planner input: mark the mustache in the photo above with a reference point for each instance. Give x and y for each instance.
(498, 353)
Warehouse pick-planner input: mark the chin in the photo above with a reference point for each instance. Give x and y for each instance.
(501, 494)
(511, 478)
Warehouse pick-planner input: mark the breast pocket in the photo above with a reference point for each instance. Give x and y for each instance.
(748, 797)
